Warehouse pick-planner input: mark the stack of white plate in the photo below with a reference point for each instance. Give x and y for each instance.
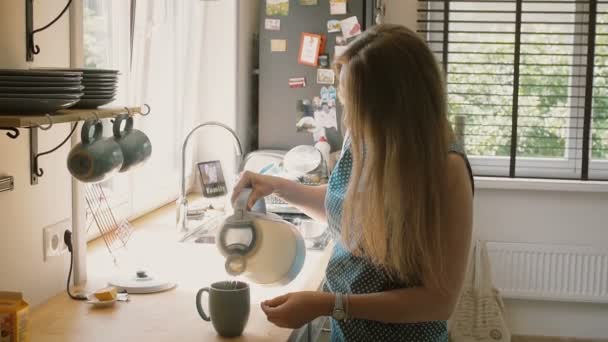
(100, 86)
(24, 92)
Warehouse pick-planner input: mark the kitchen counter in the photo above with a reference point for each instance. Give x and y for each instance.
(167, 316)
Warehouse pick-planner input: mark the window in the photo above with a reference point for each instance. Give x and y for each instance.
(106, 46)
(157, 47)
(526, 82)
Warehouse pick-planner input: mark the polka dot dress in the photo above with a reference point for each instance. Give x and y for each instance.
(347, 273)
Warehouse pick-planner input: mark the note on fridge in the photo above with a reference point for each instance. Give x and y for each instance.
(337, 7)
(278, 45)
(339, 50)
(272, 24)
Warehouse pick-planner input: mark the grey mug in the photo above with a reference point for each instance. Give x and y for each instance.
(135, 145)
(95, 158)
(228, 307)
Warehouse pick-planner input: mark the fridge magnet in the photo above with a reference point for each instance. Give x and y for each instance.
(339, 50)
(324, 61)
(308, 2)
(333, 26)
(325, 76)
(324, 95)
(277, 8)
(350, 27)
(340, 40)
(332, 95)
(272, 24)
(337, 7)
(310, 48)
(297, 82)
(305, 120)
(278, 45)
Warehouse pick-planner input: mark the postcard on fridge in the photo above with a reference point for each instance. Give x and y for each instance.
(277, 8)
(337, 7)
(326, 76)
(350, 27)
(310, 48)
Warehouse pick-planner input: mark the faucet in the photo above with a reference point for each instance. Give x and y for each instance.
(182, 201)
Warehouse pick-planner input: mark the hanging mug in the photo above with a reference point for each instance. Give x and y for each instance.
(135, 145)
(95, 158)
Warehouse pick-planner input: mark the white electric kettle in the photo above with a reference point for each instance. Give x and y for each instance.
(260, 246)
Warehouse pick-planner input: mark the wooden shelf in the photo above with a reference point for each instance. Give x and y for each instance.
(62, 116)
(12, 124)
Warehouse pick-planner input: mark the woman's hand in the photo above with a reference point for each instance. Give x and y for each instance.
(293, 310)
(261, 186)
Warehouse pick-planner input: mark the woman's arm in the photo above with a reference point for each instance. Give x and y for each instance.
(409, 305)
(309, 199)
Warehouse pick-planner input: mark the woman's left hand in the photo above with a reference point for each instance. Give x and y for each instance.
(293, 310)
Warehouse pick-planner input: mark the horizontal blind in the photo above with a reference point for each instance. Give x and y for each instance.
(523, 92)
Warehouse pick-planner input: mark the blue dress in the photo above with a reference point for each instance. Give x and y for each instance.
(347, 273)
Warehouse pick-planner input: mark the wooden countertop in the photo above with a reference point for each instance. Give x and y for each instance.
(168, 316)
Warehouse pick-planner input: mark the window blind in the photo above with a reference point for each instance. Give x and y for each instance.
(526, 82)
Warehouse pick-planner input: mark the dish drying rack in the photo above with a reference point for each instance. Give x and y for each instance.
(115, 234)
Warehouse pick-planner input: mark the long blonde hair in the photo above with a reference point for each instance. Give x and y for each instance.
(395, 111)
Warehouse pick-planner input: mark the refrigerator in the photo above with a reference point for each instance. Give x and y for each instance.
(283, 101)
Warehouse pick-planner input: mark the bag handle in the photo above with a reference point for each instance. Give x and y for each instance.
(483, 268)
(469, 278)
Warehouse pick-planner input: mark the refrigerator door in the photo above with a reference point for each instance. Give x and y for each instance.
(277, 101)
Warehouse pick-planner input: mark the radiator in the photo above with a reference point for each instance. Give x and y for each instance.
(549, 272)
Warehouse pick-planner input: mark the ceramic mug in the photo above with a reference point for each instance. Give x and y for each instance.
(95, 158)
(228, 307)
(135, 145)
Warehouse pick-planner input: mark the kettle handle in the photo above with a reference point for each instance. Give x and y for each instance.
(240, 204)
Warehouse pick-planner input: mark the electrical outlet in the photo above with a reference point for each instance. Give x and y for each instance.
(52, 237)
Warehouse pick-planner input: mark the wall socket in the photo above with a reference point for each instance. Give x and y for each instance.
(52, 237)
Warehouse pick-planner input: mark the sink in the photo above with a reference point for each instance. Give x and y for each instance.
(205, 230)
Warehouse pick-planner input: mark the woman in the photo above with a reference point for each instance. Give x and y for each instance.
(400, 199)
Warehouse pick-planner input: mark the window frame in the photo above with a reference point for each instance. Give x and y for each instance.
(570, 166)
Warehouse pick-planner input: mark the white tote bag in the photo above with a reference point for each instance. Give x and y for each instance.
(479, 315)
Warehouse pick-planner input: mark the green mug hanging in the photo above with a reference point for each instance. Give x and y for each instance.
(135, 144)
(95, 159)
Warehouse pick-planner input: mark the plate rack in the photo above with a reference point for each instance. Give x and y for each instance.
(13, 123)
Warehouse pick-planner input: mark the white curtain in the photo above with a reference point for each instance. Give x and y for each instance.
(165, 74)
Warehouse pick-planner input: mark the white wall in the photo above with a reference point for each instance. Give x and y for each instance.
(537, 216)
(27, 209)
(547, 217)
(226, 87)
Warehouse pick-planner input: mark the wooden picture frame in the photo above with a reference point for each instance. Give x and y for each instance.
(311, 46)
